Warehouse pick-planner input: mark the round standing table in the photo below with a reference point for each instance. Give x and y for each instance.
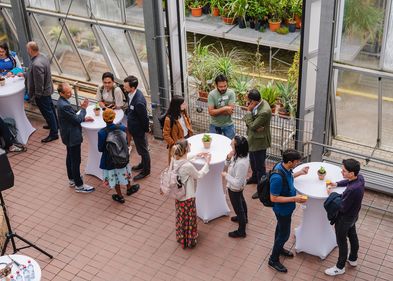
(315, 235)
(210, 196)
(12, 105)
(91, 129)
(21, 260)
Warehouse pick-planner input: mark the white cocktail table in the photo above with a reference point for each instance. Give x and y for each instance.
(91, 129)
(12, 105)
(21, 260)
(315, 235)
(210, 197)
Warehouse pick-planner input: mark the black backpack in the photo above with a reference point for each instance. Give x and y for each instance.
(263, 188)
(116, 145)
(161, 119)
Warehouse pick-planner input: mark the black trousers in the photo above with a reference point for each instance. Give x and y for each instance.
(345, 227)
(142, 149)
(281, 236)
(257, 163)
(73, 162)
(5, 134)
(240, 207)
(47, 109)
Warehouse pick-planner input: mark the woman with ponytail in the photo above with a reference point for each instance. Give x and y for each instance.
(186, 218)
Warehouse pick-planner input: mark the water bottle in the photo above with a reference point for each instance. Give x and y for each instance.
(26, 274)
(18, 276)
(30, 268)
(12, 278)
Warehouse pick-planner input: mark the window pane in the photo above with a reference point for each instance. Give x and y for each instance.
(357, 107)
(107, 9)
(361, 34)
(44, 4)
(388, 56)
(387, 114)
(134, 12)
(78, 7)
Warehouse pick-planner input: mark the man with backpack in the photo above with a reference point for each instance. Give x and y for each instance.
(110, 94)
(284, 198)
(71, 135)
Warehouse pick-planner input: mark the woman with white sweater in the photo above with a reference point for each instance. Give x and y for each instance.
(236, 177)
(186, 218)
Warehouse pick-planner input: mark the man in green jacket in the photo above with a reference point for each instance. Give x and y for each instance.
(258, 133)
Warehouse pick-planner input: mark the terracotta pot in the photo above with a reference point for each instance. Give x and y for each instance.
(215, 12)
(298, 22)
(196, 12)
(139, 3)
(202, 96)
(228, 20)
(321, 176)
(274, 25)
(206, 144)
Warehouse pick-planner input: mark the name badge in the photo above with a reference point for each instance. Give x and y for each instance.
(131, 107)
(224, 97)
(7, 59)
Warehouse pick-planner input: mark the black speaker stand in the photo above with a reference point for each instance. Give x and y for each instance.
(10, 236)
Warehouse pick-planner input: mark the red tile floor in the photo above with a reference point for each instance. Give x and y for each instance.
(94, 238)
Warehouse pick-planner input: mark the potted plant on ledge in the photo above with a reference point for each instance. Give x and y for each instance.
(276, 9)
(214, 6)
(207, 141)
(196, 7)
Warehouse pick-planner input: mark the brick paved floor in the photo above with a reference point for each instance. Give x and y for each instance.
(94, 238)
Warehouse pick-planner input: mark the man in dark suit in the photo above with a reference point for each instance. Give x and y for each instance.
(257, 120)
(138, 124)
(71, 135)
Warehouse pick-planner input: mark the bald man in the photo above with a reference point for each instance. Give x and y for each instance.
(40, 87)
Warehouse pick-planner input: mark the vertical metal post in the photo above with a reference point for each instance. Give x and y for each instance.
(324, 74)
(270, 59)
(380, 103)
(23, 28)
(157, 61)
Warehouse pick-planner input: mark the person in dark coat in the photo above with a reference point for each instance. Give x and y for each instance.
(71, 135)
(138, 124)
(351, 203)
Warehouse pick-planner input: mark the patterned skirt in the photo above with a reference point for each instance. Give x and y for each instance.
(186, 223)
(117, 176)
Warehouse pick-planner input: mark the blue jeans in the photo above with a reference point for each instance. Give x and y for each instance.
(228, 131)
(47, 109)
(281, 236)
(257, 163)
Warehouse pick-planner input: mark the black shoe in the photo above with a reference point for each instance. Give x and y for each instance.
(235, 219)
(132, 189)
(137, 167)
(251, 181)
(287, 253)
(118, 198)
(255, 195)
(46, 127)
(141, 176)
(236, 234)
(49, 138)
(278, 266)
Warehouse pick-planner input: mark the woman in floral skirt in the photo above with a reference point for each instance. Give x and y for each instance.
(186, 219)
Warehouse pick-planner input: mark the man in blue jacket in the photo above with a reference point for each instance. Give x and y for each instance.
(351, 203)
(138, 124)
(71, 135)
(284, 197)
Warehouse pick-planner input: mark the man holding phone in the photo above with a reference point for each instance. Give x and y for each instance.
(71, 135)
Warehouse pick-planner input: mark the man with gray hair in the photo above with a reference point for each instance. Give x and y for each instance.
(40, 87)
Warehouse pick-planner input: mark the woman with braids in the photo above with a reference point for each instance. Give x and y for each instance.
(186, 218)
(177, 124)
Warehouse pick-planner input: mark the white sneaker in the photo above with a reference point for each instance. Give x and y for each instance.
(353, 263)
(84, 188)
(71, 183)
(333, 271)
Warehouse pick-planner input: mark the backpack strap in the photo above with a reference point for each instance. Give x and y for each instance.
(101, 91)
(113, 94)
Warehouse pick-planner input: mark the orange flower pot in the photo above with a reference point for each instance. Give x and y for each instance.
(298, 22)
(274, 25)
(215, 12)
(228, 20)
(196, 12)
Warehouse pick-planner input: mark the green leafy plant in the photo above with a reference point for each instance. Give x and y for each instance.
(288, 97)
(227, 62)
(241, 85)
(293, 72)
(201, 66)
(282, 30)
(322, 170)
(276, 9)
(206, 138)
(295, 8)
(269, 93)
(238, 8)
(196, 3)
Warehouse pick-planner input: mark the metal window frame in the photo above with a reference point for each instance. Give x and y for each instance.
(9, 21)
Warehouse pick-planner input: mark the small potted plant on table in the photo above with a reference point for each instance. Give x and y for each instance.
(321, 173)
(207, 141)
(97, 109)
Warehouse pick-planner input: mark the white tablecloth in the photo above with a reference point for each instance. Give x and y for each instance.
(315, 235)
(22, 260)
(210, 196)
(91, 129)
(12, 105)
